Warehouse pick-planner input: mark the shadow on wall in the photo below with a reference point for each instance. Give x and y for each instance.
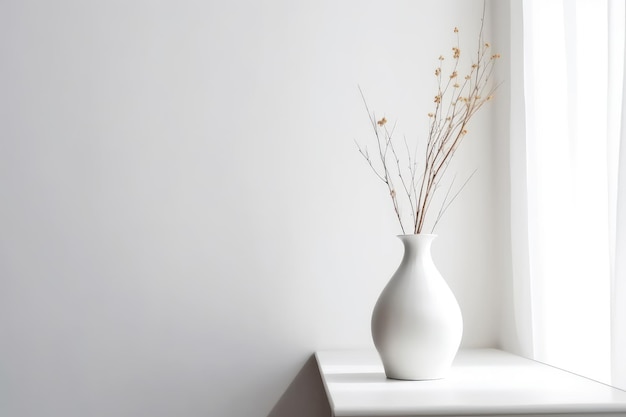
(305, 396)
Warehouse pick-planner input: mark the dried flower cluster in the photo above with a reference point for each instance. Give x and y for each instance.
(460, 94)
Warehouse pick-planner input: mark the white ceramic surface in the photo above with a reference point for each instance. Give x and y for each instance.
(481, 382)
(416, 323)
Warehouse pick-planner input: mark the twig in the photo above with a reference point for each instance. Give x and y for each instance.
(444, 206)
(458, 98)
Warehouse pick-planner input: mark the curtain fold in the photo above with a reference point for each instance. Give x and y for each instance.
(617, 165)
(618, 283)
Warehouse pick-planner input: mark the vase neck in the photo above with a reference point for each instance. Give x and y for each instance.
(417, 245)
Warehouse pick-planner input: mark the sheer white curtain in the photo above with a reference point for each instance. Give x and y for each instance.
(569, 185)
(617, 166)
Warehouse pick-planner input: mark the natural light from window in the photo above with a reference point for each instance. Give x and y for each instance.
(573, 89)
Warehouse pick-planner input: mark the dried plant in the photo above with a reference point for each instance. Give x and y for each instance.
(459, 96)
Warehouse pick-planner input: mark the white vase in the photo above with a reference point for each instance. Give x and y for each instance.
(416, 323)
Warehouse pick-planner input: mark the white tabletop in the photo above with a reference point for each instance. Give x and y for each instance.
(481, 382)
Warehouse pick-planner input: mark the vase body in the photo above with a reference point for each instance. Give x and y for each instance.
(416, 323)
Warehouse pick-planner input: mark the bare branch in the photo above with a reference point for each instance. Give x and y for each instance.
(460, 94)
(444, 206)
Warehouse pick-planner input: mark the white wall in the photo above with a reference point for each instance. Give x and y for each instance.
(185, 218)
(514, 332)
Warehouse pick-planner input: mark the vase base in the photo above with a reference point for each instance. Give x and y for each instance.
(416, 378)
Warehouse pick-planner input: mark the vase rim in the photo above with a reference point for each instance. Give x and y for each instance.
(417, 237)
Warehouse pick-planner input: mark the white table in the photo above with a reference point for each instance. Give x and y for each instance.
(482, 382)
